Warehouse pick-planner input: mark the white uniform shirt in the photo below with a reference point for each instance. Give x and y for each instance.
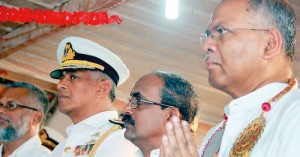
(82, 135)
(281, 136)
(31, 148)
(154, 153)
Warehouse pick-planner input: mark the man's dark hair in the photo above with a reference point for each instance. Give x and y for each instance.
(178, 92)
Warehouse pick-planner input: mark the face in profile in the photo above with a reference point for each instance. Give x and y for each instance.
(144, 121)
(76, 89)
(14, 123)
(233, 51)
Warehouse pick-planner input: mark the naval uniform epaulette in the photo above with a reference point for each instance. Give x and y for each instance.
(117, 122)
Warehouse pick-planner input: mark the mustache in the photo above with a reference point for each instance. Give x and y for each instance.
(206, 57)
(128, 119)
(5, 118)
(212, 58)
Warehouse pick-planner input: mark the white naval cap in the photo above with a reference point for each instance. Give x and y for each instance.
(79, 53)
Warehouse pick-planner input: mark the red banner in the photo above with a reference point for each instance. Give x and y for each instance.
(3, 72)
(56, 18)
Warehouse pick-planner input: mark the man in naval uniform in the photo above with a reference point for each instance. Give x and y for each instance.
(88, 77)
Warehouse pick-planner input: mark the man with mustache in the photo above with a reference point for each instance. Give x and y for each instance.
(156, 98)
(250, 47)
(88, 78)
(23, 108)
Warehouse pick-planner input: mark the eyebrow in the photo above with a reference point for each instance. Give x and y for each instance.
(8, 100)
(217, 26)
(136, 94)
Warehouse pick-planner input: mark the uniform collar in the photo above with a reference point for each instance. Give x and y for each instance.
(96, 121)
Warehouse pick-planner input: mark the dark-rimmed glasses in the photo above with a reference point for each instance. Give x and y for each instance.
(13, 105)
(136, 102)
(218, 32)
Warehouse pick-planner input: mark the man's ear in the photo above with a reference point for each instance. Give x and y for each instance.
(38, 117)
(274, 45)
(104, 87)
(173, 112)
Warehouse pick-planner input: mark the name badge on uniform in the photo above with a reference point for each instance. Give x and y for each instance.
(83, 149)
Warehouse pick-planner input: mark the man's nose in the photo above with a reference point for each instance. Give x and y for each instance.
(61, 84)
(127, 108)
(208, 46)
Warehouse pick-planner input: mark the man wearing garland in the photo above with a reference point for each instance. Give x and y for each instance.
(250, 47)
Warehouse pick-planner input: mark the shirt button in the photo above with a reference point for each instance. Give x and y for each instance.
(68, 149)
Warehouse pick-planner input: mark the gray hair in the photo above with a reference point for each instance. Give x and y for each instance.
(37, 94)
(112, 93)
(178, 92)
(278, 14)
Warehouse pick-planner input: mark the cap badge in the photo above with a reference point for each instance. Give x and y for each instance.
(69, 53)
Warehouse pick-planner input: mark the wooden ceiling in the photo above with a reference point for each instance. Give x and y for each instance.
(145, 40)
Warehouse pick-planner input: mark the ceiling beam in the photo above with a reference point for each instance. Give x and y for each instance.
(13, 76)
(23, 34)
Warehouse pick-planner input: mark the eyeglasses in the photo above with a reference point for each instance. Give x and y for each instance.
(12, 105)
(136, 102)
(218, 32)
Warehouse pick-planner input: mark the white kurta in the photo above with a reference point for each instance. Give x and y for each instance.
(281, 136)
(31, 148)
(88, 131)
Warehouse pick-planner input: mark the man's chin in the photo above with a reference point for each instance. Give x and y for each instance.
(2, 129)
(64, 108)
(128, 126)
(129, 134)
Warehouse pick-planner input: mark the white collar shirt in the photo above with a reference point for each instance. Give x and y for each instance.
(88, 132)
(281, 136)
(31, 148)
(154, 153)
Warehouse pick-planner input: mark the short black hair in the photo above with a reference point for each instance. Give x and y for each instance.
(180, 93)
